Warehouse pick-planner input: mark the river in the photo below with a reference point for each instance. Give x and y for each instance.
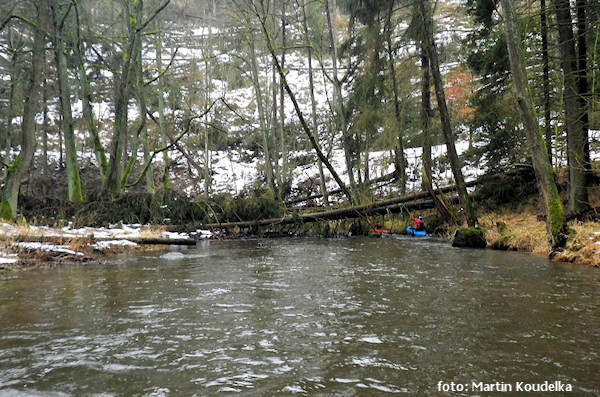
(318, 317)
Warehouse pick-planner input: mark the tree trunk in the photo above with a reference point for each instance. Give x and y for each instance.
(582, 83)
(166, 181)
(303, 122)
(314, 104)
(400, 159)
(426, 115)
(282, 137)
(207, 117)
(45, 166)
(337, 90)
(434, 63)
(150, 181)
(416, 200)
(137, 88)
(577, 139)
(17, 170)
(261, 116)
(370, 84)
(86, 98)
(11, 103)
(112, 183)
(73, 180)
(546, 78)
(555, 218)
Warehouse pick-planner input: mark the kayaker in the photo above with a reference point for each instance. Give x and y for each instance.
(378, 231)
(419, 223)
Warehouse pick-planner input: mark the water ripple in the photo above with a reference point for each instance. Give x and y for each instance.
(299, 317)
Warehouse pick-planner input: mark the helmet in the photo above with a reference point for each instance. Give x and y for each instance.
(420, 218)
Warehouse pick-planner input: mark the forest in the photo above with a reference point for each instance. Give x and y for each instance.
(206, 112)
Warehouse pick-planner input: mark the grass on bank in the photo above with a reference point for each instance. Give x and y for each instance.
(523, 230)
(583, 245)
(520, 230)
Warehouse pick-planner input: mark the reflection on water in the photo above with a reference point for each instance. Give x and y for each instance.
(299, 317)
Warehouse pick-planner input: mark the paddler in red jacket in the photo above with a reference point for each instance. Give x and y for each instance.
(419, 223)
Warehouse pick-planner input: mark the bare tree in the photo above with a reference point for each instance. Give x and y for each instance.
(59, 19)
(260, 9)
(337, 90)
(113, 182)
(86, 95)
(311, 82)
(18, 168)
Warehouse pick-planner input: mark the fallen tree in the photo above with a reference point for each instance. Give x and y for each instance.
(409, 202)
(385, 178)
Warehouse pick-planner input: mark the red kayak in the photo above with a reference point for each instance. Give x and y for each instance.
(379, 232)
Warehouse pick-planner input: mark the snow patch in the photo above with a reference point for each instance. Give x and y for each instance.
(102, 245)
(7, 259)
(173, 235)
(49, 247)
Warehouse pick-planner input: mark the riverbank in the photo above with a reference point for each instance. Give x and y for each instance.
(524, 230)
(25, 246)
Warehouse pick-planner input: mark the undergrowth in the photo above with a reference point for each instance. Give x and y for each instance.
(520, 230)
(165, 208)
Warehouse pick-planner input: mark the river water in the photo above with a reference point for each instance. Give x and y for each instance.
(318, 317)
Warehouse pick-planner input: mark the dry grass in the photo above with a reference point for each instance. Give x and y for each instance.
(152, 231)
(517, 231)
(80, 244)
(582, 247)
(523, 231)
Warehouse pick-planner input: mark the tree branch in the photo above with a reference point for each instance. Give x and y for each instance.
(163, 72)
(156, 12)
(174, 141)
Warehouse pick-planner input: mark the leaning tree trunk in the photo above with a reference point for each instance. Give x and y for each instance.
(441, 205)
(303, 122)
(434, 64)
(555, 218)
(17, 170)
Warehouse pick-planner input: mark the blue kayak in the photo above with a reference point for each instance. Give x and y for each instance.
(412, 231)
